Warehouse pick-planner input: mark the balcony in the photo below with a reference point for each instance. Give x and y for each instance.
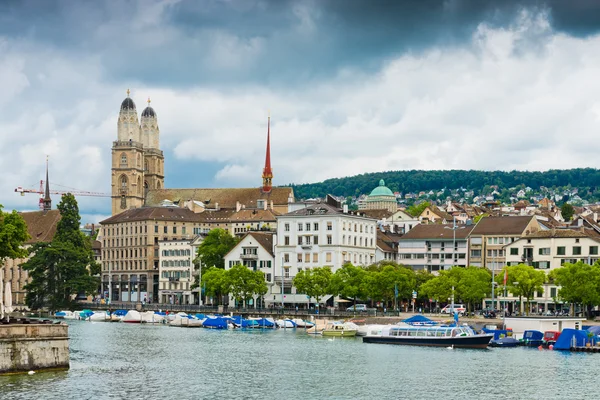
(306, 246)
(173, 279)
(249, 256)
(287, 279)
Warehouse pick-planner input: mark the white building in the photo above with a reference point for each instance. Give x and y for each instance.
(255, 251)
(321, 234)
(175, 271)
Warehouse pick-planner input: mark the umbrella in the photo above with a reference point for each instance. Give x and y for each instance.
(7, 299)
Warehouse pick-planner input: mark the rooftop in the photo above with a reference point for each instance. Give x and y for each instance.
(438, 232)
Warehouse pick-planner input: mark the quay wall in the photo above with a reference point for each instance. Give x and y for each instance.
(33, 347)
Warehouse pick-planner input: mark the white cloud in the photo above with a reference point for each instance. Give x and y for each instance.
(519, 97)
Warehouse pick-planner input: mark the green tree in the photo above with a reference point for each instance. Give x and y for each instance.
(384, 278)
(474, 285)
(314, 282)
(13, 233)
(242, 283)
(579, 283)
(60, 269)
(214, 247)
(567, 211)
(421, 277)
(416, 210)
(523, 281)
(215, 282)
(349, 281)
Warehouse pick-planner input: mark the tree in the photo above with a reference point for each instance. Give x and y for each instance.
(13, 233)
(314, 282)
(567, 211)
(523, 281)
(214, 247)
(241, 282)
(474, 285)
(579, 283)
(349, 281)
(60, 269)
(214, 280)
(415, 211)
(384, 278)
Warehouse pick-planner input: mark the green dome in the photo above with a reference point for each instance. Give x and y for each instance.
(382, 190)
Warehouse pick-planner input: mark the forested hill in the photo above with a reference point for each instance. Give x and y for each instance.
(587, 179)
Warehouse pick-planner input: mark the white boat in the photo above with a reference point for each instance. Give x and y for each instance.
(150, 317)
(99, 316)
(300, 323)
(285, 323)
(374, 329)
(65, 315)
(132, 317)
(185, 321)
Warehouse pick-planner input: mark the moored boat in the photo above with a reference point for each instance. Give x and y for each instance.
(285, 323)
(504, 342)
(117, 315)
(150, 317)
(374, 329)
(132, 317)
(532, 338)
(439, 336)
(340, 329)
(65, 315)
(300, 323)
(99, 316)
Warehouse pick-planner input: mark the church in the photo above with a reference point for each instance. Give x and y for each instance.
(138, 177)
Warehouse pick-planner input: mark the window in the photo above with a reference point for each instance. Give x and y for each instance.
(514, 251)
(286, 240)
(476, 253)
(315, 239)
(553, 292)
(299, 240)
(183, 230)
(307, 239)
(315, 257)
(287, 227)
(165, 229)
(299, 259)
(316, 226)
(328, 257)
(307, 257)
(286, 258)
(286, 272)
(123, 160)
(545, 251)
(576, 250)
(560, 250)
(330, 239)
(329, 226)
(174, 230)
(593, 250)
(300, 226)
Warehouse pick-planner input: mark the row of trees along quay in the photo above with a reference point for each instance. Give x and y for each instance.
(393, 284)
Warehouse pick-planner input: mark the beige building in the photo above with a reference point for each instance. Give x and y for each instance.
(41, 226)
(176, 271)
(380, 198)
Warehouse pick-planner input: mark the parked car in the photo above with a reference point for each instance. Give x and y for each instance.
(459, 308)
(359, 307)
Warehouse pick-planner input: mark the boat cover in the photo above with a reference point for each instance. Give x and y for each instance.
(571, 338)
(419, 320)
(215, 323)
(533, 335)
(265, 323)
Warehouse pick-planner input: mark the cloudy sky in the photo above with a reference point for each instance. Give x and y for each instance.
(352, 86)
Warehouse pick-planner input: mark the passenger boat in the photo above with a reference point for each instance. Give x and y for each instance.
(440, 336)
(340, 329)
(373, 329)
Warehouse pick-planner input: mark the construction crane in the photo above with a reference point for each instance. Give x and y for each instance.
(40, 191)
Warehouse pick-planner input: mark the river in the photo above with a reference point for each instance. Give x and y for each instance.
(129, 361)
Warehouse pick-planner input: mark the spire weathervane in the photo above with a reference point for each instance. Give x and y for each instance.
(128, 92)
(149, 101)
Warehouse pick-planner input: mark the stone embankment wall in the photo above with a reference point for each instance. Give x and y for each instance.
(33, 347)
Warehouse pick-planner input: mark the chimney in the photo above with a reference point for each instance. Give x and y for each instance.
(217, 206)
(345, 208)
(580, 222)
(265, 205)
(272, 205)
(595, 217)
(238, 206)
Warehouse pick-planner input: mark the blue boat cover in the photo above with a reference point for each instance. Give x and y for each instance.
(594, 329)
(419, 320)
(216, 323)
(571, 338)
(497, 332)
(119, 313)
(265, 323)
(533, 335)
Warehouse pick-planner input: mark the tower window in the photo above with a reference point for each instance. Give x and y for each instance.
(123, 160)
(123, 182)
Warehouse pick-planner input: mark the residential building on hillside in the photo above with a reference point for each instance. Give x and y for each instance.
(491, 234)
(255, 251)
(434, 215)
(387, 245)
(397, 222)
(176, 267)
(435, 247)
(321, 234)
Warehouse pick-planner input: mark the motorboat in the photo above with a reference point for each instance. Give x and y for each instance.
(185, 321)
(285, 323)
(373, 329)
(240, 322)
(532, 338)
(117, 315)
(132, 317)
(504, 342)
(217, 322)
(265, 322)
(66, 315)
(340, 329)
(99, 316)
(301, 323)
(440, 336)
(85, 314)
(150, 317)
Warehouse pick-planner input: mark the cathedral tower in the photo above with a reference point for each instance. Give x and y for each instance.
(154, 161)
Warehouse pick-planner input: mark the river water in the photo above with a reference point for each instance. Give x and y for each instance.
(129, 361)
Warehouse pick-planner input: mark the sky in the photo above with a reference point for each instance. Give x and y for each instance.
(352, 87)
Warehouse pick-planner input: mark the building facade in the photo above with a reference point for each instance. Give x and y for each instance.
(176, 271)
(380, 198)
(321, 234)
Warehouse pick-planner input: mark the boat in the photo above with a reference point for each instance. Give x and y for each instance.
(150, 317)
(373, 329)
(65, 315)
(117, 315)
(217, 322)
(340, 329)
(99, 316)
(532, 338)
(85, 314)
(265, 322)
(439, 336)
(285, 323)
(300, 323)
(132, 317)
(185, 322)
(240, 322)
(504, 342)
(550, 338)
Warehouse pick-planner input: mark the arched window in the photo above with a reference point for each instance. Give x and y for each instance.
(123, 160)
(123, 182)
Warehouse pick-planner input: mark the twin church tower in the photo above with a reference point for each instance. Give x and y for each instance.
(138, 162)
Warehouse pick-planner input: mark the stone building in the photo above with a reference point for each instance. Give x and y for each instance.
(381, 198)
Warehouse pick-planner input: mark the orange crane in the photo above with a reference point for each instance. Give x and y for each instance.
(41, 192)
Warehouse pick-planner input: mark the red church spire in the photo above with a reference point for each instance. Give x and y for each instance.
(267, 174)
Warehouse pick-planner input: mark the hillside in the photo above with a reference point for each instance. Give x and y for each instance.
(586, 180)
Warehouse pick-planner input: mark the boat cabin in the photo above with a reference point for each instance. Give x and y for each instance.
(430, 331)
